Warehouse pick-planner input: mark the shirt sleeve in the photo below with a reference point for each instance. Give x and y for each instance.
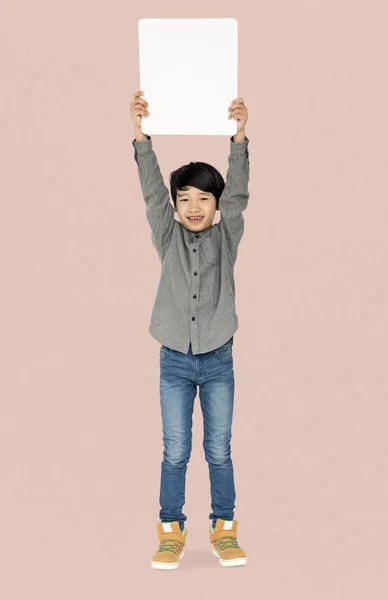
(234, 198)
(159, 210)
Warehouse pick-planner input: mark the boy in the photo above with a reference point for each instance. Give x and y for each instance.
(194, 319)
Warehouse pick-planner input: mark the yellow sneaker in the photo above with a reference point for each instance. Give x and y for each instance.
(225, 545)
(172, 542)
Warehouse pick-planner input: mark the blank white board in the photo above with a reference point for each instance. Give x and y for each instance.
(188, 73)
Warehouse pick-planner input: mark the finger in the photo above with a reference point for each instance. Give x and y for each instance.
(138, 99)
(240, 112)
(239, 109)
(141, 111)
(236, 105)
(140, 102)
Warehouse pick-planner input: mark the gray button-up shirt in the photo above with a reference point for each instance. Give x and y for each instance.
(195, 300)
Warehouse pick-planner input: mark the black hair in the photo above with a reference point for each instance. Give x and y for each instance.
(200, 175)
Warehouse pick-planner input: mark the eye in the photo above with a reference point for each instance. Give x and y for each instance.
(184, 199)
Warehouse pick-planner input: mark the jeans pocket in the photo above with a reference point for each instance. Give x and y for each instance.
(165, 352)
(224, 353)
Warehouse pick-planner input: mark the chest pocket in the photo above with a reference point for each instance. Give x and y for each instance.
(211, 250)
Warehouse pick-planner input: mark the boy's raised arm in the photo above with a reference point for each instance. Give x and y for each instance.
(159, 210)
(234, 198)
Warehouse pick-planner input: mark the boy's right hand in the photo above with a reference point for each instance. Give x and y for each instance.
(138, 108)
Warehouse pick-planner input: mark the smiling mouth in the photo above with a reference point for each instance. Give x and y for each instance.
(195, 218)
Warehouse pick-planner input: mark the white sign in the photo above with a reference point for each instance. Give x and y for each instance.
(188, 73)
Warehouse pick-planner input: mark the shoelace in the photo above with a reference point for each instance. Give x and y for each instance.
(226, 541)
(170, 545)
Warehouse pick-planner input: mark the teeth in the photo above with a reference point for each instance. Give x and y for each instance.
(195, 218)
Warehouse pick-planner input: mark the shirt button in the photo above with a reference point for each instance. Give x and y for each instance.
(195, 295)
(197, 235)
(193, 318)
(194, 250)
(195, 272)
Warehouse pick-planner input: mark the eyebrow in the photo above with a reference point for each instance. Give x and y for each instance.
(200, 193)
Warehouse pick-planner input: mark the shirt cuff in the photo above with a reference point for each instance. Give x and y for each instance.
(240, 147)
(143, 147)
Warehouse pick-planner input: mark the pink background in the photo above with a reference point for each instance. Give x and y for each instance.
(80, 418)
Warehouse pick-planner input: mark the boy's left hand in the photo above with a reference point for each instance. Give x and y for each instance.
(240, 112)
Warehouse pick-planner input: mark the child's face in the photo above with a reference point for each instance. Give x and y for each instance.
(194, 202)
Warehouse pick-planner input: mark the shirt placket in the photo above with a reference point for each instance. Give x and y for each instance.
(194, 290)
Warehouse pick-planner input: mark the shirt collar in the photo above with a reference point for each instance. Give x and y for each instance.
(191, 236)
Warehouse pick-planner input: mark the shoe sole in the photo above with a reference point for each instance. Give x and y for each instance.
(161, 565)
(233, 562)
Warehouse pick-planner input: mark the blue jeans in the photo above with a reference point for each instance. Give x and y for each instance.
(180, 374)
